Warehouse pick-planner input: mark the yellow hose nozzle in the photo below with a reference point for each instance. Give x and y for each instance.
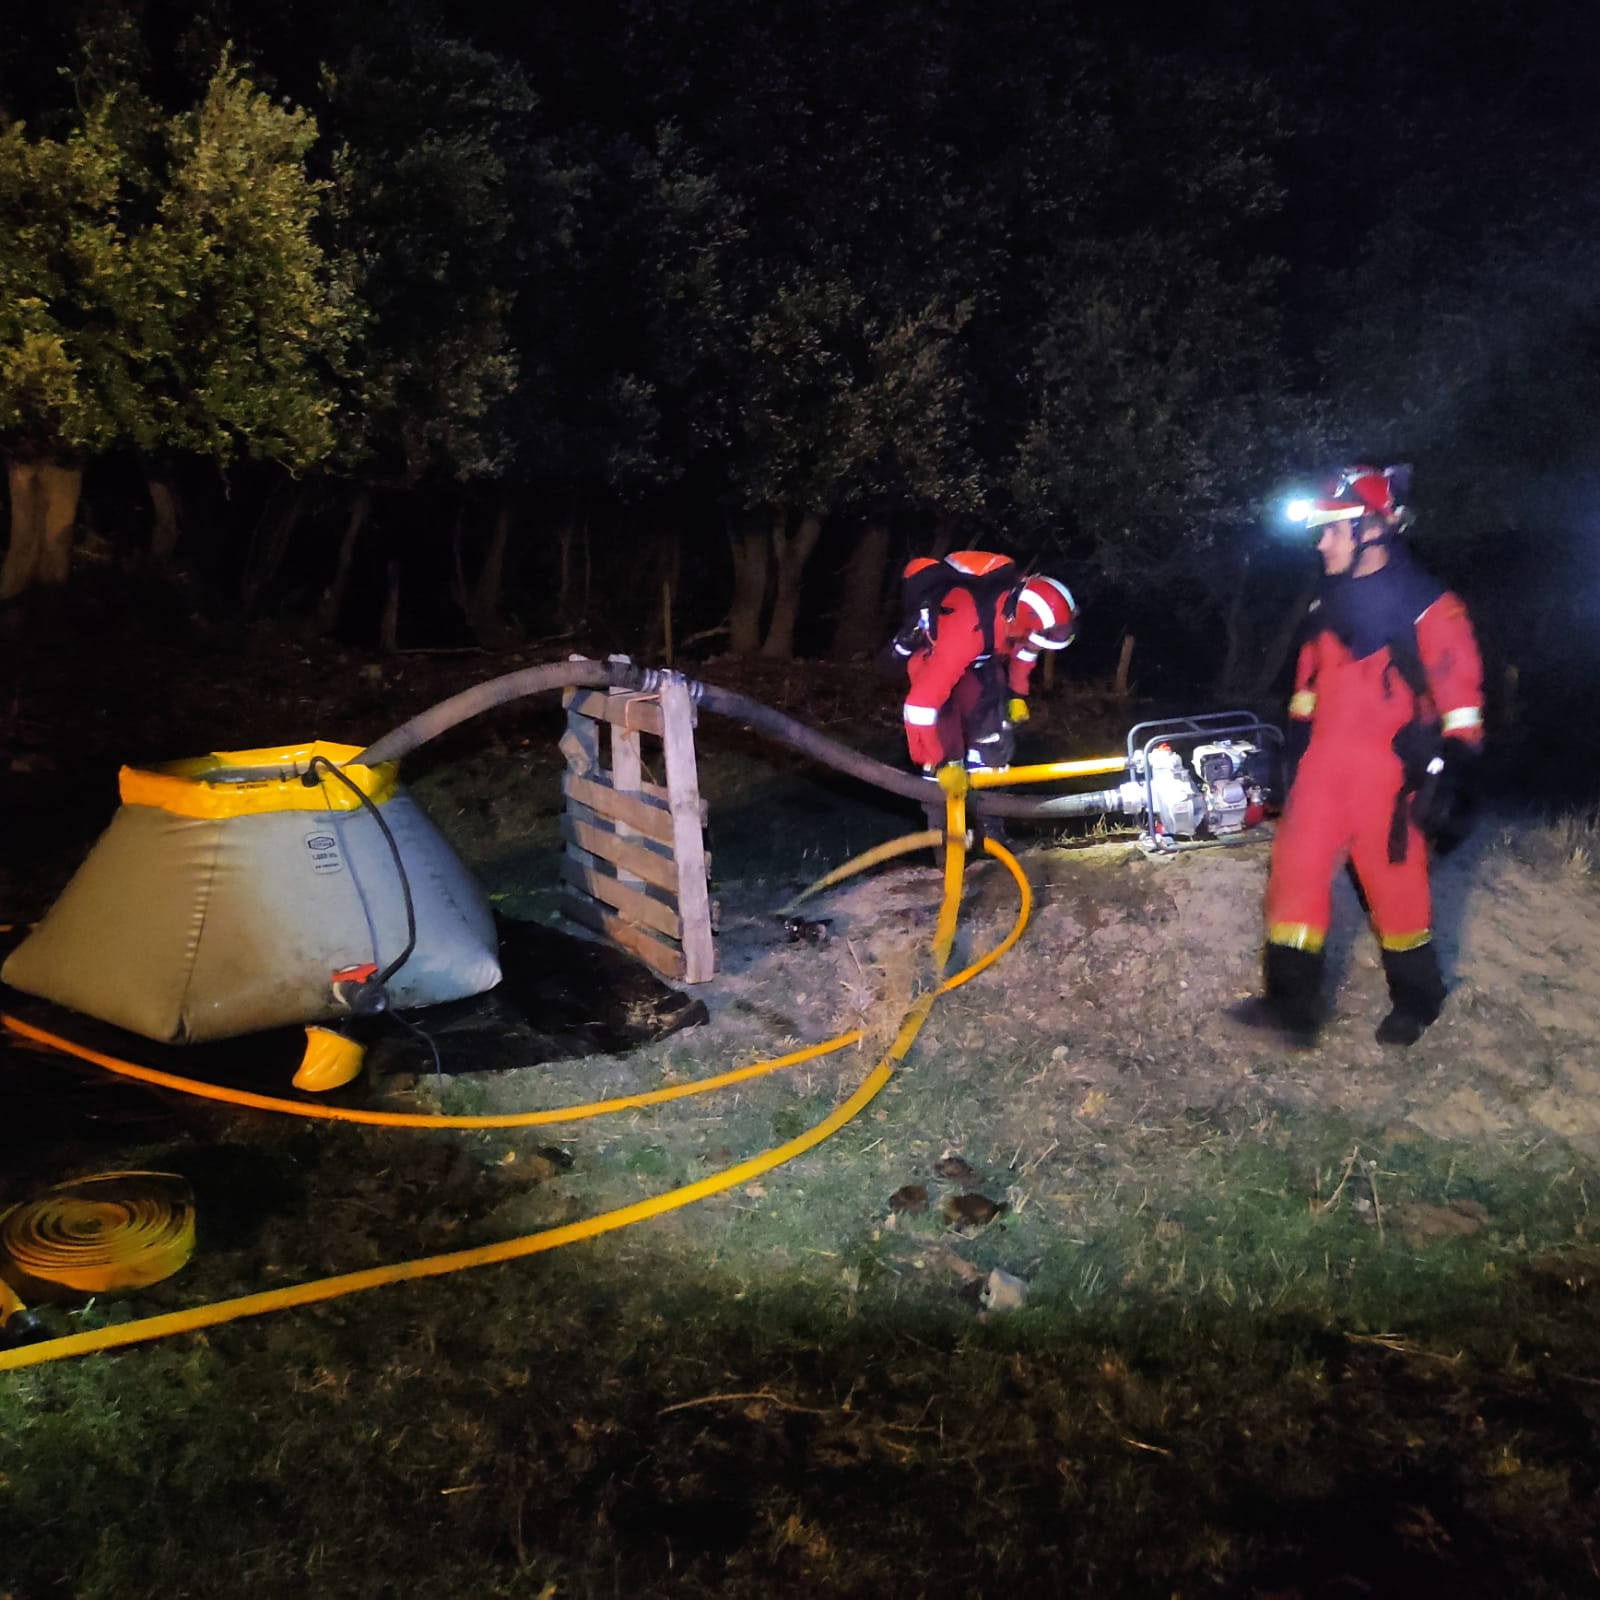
(332, 1059)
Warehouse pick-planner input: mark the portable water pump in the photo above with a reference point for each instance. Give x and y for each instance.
(1189, 779)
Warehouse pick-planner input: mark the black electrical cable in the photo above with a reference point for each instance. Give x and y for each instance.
(426, 1037)
(309, 779)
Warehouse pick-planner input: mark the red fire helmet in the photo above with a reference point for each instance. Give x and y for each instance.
(1361, 491)
(1046, 606)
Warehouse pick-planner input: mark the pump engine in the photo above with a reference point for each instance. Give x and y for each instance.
(1226, 786)
(1194, 778)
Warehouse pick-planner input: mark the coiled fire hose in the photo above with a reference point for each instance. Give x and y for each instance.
(95, 1234)
(112, 1230)
(231, 1310)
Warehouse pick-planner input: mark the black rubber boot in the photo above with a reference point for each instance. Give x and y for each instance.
(1292, 1004)
(1416, 992)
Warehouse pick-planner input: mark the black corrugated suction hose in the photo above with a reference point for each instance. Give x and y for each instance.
(721, 702)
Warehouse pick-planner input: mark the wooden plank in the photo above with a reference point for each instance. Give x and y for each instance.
(606, 705)
(667, 959)
(640, 712)
(663, 794)
(688, 839)
(582, 828)
(648, 817)
(621, 706)
(627, 765)
(627, 769)
(580, 744)
(583, 871)
(576, 808)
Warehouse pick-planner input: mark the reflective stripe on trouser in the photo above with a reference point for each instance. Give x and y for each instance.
(1341, 806)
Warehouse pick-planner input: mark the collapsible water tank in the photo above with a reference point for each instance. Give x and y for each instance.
(226, 893)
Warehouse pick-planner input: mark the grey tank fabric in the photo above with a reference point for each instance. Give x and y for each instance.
(182, 929)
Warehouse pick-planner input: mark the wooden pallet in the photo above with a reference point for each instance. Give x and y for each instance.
(635, 866)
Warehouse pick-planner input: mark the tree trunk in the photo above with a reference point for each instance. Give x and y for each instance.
(588, 570)
(1282, 641)
(751, 551)
(166, 522)
(332, 602)
(269, 543)
(1122, 684)
(571, 608)
(669, 565)
(389, 624)
(859, 628)
(487, 587)
(1231, 677)
(794, 551)
(564, 581)
(460, 589)
(44, 510)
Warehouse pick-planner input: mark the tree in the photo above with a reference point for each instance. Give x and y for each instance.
(444, 201)
(169, 301)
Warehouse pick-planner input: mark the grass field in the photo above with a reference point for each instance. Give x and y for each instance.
(1293, 1326)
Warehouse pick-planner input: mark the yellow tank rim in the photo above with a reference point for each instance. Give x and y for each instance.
(243, 783)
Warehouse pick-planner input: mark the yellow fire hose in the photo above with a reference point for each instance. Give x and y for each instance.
(417, 1119)
(114, 1230)
(216, 1312)
(953, 780)
(1045, 772)
(107, 1231)
(903, 846)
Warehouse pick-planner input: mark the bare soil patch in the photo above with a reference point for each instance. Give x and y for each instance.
(1099, 1296)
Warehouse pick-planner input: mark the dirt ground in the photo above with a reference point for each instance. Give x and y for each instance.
(1109, 1014)
(1097, 1284)
(1049, 1073)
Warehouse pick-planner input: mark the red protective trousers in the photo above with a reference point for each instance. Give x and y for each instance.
(1343, 801)
(1341, 808)
(951, 734)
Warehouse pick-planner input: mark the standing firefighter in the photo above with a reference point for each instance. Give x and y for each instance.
(974, 628)
(1386, 721)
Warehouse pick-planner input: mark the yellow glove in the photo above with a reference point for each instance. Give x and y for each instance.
(953, 778)
(1017, 710)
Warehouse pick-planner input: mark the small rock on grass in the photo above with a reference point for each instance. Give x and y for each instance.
(1419, 1222)
(971, 1210)
(1003, 1292)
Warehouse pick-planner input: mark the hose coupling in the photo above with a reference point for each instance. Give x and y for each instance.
(651, 680)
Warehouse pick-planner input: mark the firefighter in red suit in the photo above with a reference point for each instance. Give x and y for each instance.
(1385, 725)
(974, 629)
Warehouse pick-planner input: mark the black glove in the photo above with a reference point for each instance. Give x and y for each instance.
(1447, 799)
(910, 640)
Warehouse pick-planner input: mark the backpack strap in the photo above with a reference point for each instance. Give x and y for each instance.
(993, 581)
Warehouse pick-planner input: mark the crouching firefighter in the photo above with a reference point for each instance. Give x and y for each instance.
(973, 629)
(1384, 730)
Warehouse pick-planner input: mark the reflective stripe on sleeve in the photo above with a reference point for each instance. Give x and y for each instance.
(1462, 717)
(921, 716)
(1302, 704)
